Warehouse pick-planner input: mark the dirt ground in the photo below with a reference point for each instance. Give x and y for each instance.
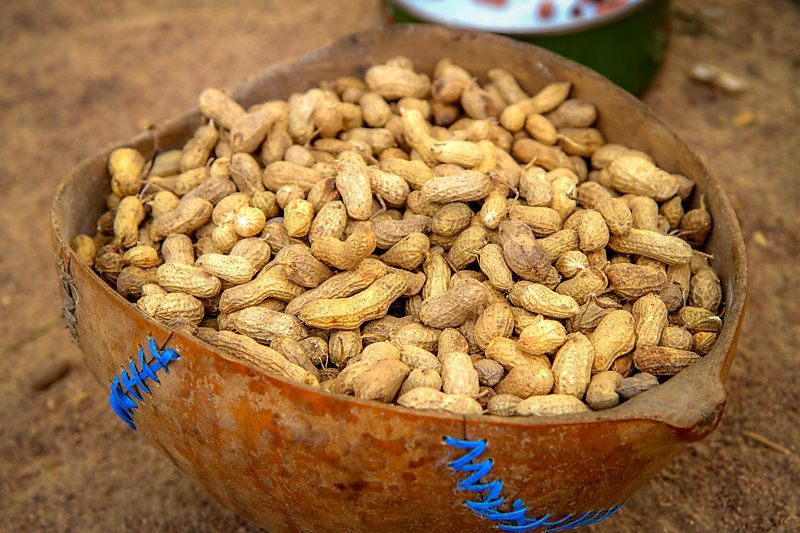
(76, 75)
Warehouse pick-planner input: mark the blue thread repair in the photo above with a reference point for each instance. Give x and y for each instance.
(127, 388)
(488, 507)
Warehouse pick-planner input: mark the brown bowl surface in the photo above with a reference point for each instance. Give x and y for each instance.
(291, 457)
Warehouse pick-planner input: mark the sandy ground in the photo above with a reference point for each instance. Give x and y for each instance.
(76, 75)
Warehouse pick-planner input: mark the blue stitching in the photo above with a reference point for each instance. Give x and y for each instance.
(127, 388)
(516, 519)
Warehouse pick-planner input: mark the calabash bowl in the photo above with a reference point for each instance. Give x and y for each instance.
(291, 457)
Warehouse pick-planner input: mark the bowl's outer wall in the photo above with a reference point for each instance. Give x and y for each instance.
(290, 457)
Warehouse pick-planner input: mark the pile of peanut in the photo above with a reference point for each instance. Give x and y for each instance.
(439, 244)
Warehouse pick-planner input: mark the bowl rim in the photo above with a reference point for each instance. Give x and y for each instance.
(688, 420)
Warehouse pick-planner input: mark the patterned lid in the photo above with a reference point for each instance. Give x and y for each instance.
(517, 16)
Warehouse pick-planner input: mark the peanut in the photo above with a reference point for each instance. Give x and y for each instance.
(421, 377)
(130, 213)
(181, 184)
(550, 97)
(131, 279)
(409, 253)
(546, 156)
(253, 250)
(503, 405)
(177, 277)
(269, 284)
(644, 212)
(394, 82)
(508, 353)
(535, 187)
(636, 175)
(185, 218)
(490, 372)
(702, 342)
(390, 232)
(580, 141)
(322, 193)
(650, 315)
(280, 173)
(349, 254)
(85, 248)
(198, 149)
(493, 264)
(163, 202)
(293, 351)
(574, 113)
(454, 306)
(571, 263)
(676, 337)
(351, 312)
(437, 274)
(634, 281)
(495, 207)
(696, 224)
(614, 336)
(697, 319)
(705, 290)
(417, 134)
(533, 378)
(507, 85)
(522, 253)
(219, 107)
(572, 366)
(177, 248)
(477, 102)
(213, 189)
(231, 268)
(246, 349)
(381, 381)
(537, 298)
(466, 247)
(551, 405)
(451, 219)
(415, 334)
(542, 336)
(263, 324)
(175, 309)
(166, 163)
(591, 313)
(605, 155)
(467, 186)
(126, 167)
(560, 242)
(415, 173)
(390, 187)
(495, 321)
(663, 361)
(417, 357)
(344, 345)
(586, 284)
(458, 375)
(602, 391)
(631, 386)
(429, 398)
(664, 248)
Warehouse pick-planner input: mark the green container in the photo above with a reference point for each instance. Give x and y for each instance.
(626, 45)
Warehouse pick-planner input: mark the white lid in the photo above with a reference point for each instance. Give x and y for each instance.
(516, 16)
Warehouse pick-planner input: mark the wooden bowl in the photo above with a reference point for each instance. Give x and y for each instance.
(291, 457)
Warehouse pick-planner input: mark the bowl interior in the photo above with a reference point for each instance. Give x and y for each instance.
(682, 402)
